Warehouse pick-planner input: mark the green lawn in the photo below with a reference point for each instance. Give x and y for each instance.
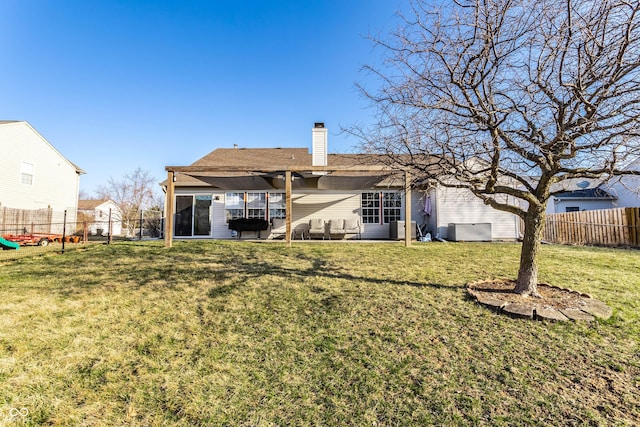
(240, 333)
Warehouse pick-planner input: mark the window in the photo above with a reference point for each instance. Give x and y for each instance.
(381, 207)
(370, 208)
(254, 205)
(277, 205)
(26, 173)
(234, 205)
(572, 209)
(391, 207)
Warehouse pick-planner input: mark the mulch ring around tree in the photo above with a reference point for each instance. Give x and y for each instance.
(555, 303)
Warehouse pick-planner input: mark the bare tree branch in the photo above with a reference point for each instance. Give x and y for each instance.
(132, 193)
(509, 99)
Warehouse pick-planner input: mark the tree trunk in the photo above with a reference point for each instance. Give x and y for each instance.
(527, 283)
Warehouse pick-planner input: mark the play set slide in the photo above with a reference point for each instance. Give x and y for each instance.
(8, 244)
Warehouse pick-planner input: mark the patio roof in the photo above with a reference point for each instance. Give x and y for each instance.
(288, 169)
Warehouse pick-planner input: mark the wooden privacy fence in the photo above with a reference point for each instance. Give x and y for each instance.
(15, 221)
(607, 227)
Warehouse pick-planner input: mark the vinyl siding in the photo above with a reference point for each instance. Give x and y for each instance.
(326, 206)
(55, 181)
(627, 189)
(100, 216)
(220, 229)
(418, 199)
(448, 206)
(461, 206)
(561, 205)
(307, 205)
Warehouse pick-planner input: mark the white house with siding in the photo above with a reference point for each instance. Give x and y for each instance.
(100, 214)
(626, 188)
(34, 175)
(204, 202)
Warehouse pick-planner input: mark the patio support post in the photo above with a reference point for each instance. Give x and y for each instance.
(168, 209)
(407, 208)
(288, 205)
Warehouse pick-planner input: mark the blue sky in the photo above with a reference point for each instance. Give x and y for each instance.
(116, 85)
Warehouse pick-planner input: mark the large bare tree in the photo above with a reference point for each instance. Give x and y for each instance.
(132, 193)
(510, 99)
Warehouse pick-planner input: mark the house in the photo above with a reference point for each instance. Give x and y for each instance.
(99, 215)
(34, 175)
(232, 183)
(585, 195)
(626, 188)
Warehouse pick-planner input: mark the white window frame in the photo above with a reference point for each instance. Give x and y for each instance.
(381, 207)
(26, 173)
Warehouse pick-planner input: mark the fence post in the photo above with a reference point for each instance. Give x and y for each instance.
(110, 230)
(141, 222)
(633, 215)
(64, 229)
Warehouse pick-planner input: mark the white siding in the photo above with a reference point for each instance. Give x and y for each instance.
(418, 199)
(560, 206)
(220, 229)
(627, 189)
(55, 180)
(319, 146)
(461, 206)
(305, 206)
(101, 219)
(326, 206)
(448, 206)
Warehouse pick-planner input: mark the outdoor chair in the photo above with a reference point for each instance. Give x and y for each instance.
(300, 231)
(317, 228)
(352, 226)
(336, 228)
(278, 228)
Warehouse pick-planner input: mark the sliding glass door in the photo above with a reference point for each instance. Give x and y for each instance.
(193, 216)
(202, 216)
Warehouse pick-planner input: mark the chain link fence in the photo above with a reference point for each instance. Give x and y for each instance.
(31, 233)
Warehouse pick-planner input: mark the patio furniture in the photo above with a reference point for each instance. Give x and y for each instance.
(352, 226)
(341, 227)
(278, 228)
(336, 228)
(300, 231)
(317, 227)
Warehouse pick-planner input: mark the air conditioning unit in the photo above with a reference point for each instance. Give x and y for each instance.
(396, 230)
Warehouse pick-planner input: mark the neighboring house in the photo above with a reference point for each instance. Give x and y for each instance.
(626, 188)
(34, 175)
(582, 199)
(593, 194)
(223, 188)
(97, 213)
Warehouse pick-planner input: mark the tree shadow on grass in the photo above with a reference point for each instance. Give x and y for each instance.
(320, 269)
(137, 266)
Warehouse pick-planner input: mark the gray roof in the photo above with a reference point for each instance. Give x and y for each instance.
(587, 193)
